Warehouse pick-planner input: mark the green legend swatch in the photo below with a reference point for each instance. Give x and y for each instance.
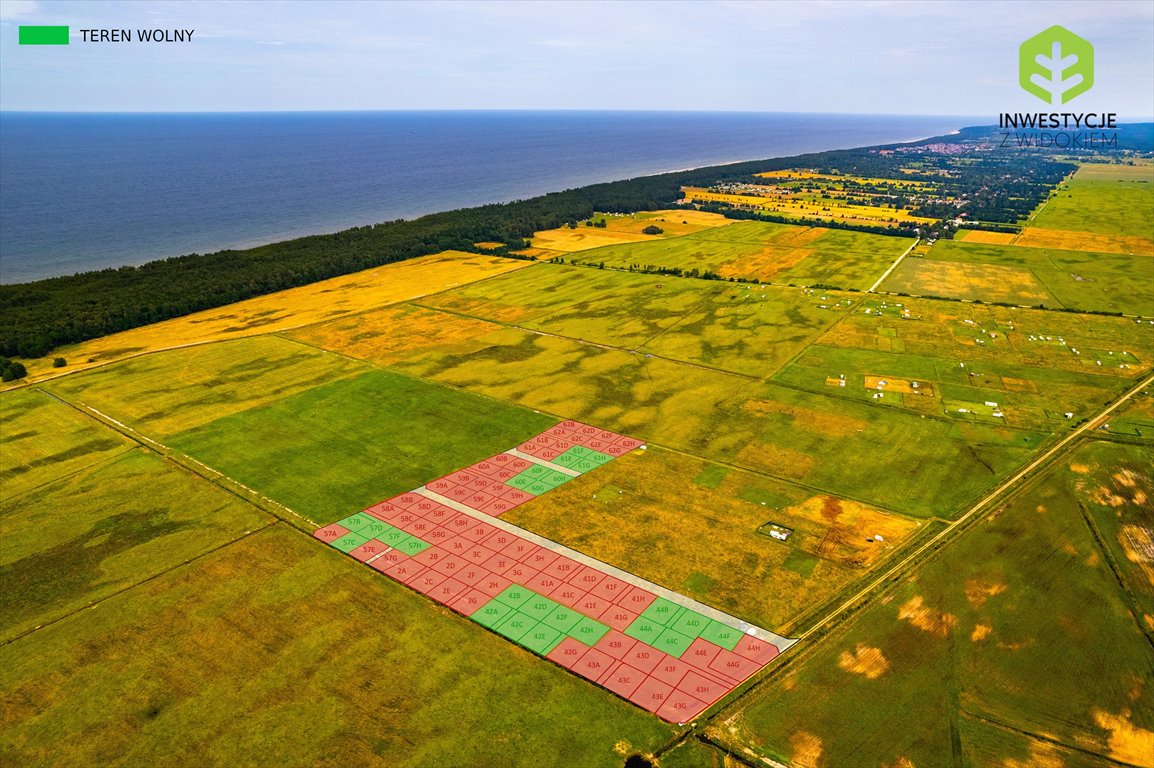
(43, 35)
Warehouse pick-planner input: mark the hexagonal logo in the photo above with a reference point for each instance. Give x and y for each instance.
(1056, 65)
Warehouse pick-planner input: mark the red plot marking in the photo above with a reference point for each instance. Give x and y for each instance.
(497, 507)
(557, 431)
(493, 584)
(680, 707)
(587, 578)
(499, 540)
(636, 600)
(615, 644)
(593, 664)
(567, 594)
(460, 524)
(570, 424)
(478, 499)
(478, 554)
(439, 536)
(623, 680)
(478, 531)
(628, 443)
(515, 496)
(702, 688)
(330, 532)
(448, 591)
(404, 518)
(388, 560)
(419, 527)
(597, 444)
(614, 450)
(532, 448)
(562, 444)
(651, 695)
(424, 507)
(568, 652)
(670, 670)
(440, 514)
(406, 500)
(369, 549)
(431, 556)
(644, 657)
(486, 468)
(461, 477)
(550, 453)
(755, 649)
(520, 573)
(701, 653)
(499, 563)
(540, 558)
(609, 589)
(733, 667)
(441, 486)
(403, 571)
(425, 581)
(458, 545)
(470, 602)
(592, 606)
(520, 550)
(458, 493)
(481, 482)
(471, 574)
(384, 510)
(563, 568)
(617, 617)
(544, 584)
(450, 565)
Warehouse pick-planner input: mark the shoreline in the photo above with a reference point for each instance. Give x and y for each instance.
(332, 227)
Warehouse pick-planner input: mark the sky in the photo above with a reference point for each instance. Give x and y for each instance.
(851, 56)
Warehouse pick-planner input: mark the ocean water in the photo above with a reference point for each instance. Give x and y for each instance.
(88, 191)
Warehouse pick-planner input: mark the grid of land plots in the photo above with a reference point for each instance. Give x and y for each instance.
(660, 650)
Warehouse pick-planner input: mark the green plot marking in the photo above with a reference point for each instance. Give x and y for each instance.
(413, 546)
(542, 639)
(673, 642)
(491, 613)
(356, 522)
(690, 623)
(598, 458)
(394, 537)
(562, 619)
(516, 596)
(588, 630)
(644, 630)
(721, 634)
(536, 471)
(538, 488)
(582, 466)
(539, 607)
(553, 478)
(566, 459)
(39, 35)
(520, 482)
(516, 626)
(662, 611)
(376, 528)
(350, 541)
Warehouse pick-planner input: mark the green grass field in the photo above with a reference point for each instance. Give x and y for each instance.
(171, 392)
(1019, 626)
(45, 439)
(337, 448)
(108, 526)
(1085, 280)
(778, 253)
(1106, 199)
(278, 651)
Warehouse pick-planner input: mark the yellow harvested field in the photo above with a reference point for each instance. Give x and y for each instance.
(542, 254)
(792, 174)
(621, 228)
(1066, 240)
(766, 263)
(296, 307)
(489, 244)
(850, 528)
(981, 236)
(583, 238)
(790, 205)
(904, 386)
(395, 333)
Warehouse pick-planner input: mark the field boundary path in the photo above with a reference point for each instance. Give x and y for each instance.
(893, 266)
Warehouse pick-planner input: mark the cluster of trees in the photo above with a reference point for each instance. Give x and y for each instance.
(10, 370)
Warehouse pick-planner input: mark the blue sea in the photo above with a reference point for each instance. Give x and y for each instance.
(88, 191)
